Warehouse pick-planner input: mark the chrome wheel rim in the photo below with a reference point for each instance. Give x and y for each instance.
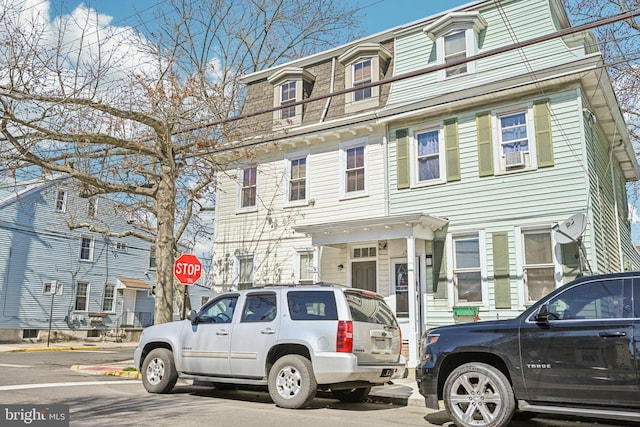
(155, 371)
(476, 399)
(288, 382)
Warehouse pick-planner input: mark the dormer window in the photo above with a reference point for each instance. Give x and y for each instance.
(290, 85)
(456, 37)
(363, 64)
(362, 76)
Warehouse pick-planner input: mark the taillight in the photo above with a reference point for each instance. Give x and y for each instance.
(344, 341)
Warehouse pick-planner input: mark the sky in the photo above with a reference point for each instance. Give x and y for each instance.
(379, 15)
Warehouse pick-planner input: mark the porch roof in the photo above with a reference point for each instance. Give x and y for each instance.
(418, 225)
(125, 282)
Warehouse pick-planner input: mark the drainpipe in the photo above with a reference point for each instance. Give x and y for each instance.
(326, 105)
(385, 165)
(615, 208)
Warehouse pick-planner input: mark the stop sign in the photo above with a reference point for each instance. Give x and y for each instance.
(187, 269)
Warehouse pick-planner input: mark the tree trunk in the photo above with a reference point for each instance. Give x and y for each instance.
(165, 245)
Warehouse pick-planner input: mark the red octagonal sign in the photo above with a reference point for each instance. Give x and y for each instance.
(187, 269)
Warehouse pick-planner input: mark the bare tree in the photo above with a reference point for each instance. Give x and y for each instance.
(122, 111)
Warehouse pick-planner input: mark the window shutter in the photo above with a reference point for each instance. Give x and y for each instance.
(501, 277)
(402, 158)
(485, 144)
(570, 261)
(542, 123)
(452, 149)
(439, 270)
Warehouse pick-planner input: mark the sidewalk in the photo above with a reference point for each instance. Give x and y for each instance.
(402, 392)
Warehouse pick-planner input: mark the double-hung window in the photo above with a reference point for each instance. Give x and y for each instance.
(467, 269)
(61, 201)
(82, 296)
(304, 270)
(455, 49)
(296, 179)
(354, 174)
(248, 188)
(514, 139)
(428, 156)
(288, 96)
(362, 76)
(108, 298)
(538, 264)
(245, 271)
(86, 248)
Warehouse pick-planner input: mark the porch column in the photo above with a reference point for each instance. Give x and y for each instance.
(413, 302)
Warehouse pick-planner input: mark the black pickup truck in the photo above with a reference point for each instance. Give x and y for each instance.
(576, 351)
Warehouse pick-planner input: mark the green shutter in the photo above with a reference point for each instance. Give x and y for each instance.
(452, 149)
(542, 123)
(402, 158)
(501, 277)
(485, 144)
(439, 270)
(570, 261)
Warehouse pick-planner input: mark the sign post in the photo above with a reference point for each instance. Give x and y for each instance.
(187, 270)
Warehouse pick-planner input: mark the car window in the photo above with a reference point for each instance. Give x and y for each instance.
(368, 308)
(593, 300)
(219, 311)
(312, 305)
(259, 308)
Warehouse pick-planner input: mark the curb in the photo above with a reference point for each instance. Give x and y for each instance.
(34, 349)
(107, 370)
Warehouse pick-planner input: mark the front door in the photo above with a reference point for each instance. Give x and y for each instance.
(129, 307)
(363, 275)
(206, 343)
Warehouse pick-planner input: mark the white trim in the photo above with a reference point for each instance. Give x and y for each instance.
(296, 263)
(288, 158)
(484, 284)
(531, 155)
(344, 146)
(413, 164)
(519, 251)
(91, 247)
(240, 178)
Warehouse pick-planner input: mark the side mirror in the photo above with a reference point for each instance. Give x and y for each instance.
(192, 317)
(542, 316)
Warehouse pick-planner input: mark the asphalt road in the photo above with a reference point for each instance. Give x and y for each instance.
(97, 400)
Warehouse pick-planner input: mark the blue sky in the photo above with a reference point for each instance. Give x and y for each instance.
(378, 15)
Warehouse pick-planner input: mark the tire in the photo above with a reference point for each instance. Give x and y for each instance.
(159, 373)
(292, 384)
(478, 395)
(354, 395)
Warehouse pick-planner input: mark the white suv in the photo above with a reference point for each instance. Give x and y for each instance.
(293, 339)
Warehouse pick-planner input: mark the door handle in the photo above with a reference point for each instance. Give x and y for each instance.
(222, 332)
(612, 334)
(268, 331)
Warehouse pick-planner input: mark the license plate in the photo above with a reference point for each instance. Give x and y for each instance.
(386, 372)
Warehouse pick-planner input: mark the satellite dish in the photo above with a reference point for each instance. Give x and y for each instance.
(570, 230)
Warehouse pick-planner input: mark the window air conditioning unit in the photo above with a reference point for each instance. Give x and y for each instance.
(515, 159)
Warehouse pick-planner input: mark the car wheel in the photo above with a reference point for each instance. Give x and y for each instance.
(159, 373)
(478, 395)
(292, 384)
(354, 395)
